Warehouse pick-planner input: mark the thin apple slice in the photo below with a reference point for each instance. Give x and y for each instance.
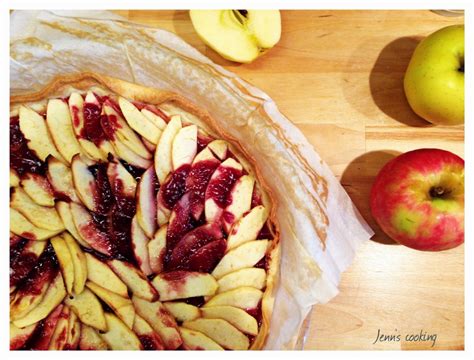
(90, 339)
(53, 297)
(139, 122)
(41, 216)
(163, 159)
(254, 277)
(34, 128)
(157, 250)
(221, 331)
(60, 177)
(184, 284)
(38, 188)
(184, 146)
(248, 227)
(65, 261)
(150, 146)
(123, 152)
(19, 337)
(64, 212)
(135, 280)
(122, 307)
(149, 338)
(14, 178)
(243, 297)
(154, 118)
(122, 182)
(47, 331)
(25, 301)
(79, 262)
(243, 256)
(140, 247)
(59, 124)
(235, 316)
(99, 273)
(146, 204)
(162, 323)
(119, 336)
(88, 308)
(241, 199)
(86, 228)
(21, 226)
(84, 183)
(219, 148)
(74, 332)
(60, 334)
(182, 311)
(195, 340)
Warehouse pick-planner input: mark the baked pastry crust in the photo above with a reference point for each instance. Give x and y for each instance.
(63, 86)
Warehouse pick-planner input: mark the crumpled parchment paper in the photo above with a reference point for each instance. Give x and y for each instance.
(320, 227)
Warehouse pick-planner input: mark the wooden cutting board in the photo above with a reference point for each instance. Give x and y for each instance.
(338, 76)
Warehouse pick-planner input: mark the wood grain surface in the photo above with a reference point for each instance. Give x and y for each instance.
(338, 76)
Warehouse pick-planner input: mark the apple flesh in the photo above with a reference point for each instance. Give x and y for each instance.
(434, 80)
(418, 199)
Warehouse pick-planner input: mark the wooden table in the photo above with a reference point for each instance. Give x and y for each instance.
(338, 76)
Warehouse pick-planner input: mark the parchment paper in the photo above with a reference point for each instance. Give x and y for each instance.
(320, 227)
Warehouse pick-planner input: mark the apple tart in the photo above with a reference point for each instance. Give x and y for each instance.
(135, 224)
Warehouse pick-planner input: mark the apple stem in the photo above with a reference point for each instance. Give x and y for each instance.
(437, 192)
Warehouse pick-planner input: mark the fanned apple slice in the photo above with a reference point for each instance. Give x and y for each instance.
(121, 181)
(60, 177)
(41, 216)
(123, 152)
(149, 146)
(221, 331)
(53, 297)
(195, 340)
(241, 199)
(146, 204)
(88, 308)
(248, 227)
(163, 159)
(65, 261)
(59, 124)
(25, 301)
(38, 188)
(90, 339)
(86, 228)
(74, 332)
(19, 337)
(60, 334)
(149, 338)
(79, 262)
(14, 178)
(244, 256)
(162, 323)
(21, 226)
(139, 122)
(34, 128)
(182, 311)
(154, 118)
(140, 247)
(157, 250)
(49, 325)
(219, 148)
(184, 146)
(122, 307)
(235, 316)
(119, 336)
(184, 284)
(102, 275)
(243, 297)
(135, 280)
(84, 183)
(64, 212)
(254, 277)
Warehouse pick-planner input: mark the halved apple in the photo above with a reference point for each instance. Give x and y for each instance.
(248, 227)
(135, 280)
(241, 199)
(38, 188)
(156, 315)
(163, 157)
(41, 216)
(221, 331)
(121, 181)
(60, 333)
(14, 178)
(219, 148)
(34, 128)
(59, 124)
(182, 311)
(60, 178)
(154, 118)
(100, 274)
(235, 316)
(140, 247)
(119, 336)
(243, 297)
(139, 122)
(184, 284)
(251, 32)
(157, 250)
(65, 261)
(195, 340)
(47, 331)
(79, 262)
(64, 212)
(146, 203)
(184, 146)
(148, 337)
(21, 226)
(19, 336)
(88, 308)
(254, 277)
(244, 256)
(84, 183)
(90, 339)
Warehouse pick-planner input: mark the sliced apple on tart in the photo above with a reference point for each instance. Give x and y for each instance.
(184, 284)
(88, 308)
(195, 340)
(38, 188)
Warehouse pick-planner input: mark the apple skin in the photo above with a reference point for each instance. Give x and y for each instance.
(404, 202)
(434, 79)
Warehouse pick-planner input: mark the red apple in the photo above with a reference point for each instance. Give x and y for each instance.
(418, 199)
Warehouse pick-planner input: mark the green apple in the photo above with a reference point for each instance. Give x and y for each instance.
(434, 80)
(238, 35)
